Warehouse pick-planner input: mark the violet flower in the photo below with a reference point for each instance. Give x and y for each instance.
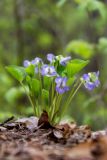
(26, 63)
(91, 80)
(86, 77)
(50, 57)
(61, 86)
(48, 71)
(36, 62)
(64, 60)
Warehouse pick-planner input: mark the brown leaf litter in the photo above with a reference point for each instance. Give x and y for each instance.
(23, 139)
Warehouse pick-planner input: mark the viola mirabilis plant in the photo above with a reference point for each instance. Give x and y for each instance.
(51, 87)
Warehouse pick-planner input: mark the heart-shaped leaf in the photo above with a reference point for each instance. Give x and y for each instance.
(17, 72)
(30, 70)
(75, 66)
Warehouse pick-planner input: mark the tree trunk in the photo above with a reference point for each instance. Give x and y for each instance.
(19, 15)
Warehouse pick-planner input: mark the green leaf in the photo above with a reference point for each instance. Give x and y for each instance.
(28, 82)
(81, 48)
(17, 72)
(45, 95)
(75, 66)
(28, 79)
(60, 69)
(70, 81)
(47, 82)
(35, 87)
(30, 70)
(61, 3)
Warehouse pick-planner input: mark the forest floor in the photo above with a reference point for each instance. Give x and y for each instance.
(22, 140)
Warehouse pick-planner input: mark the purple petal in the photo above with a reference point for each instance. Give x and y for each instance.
(97, 83)
(33, 62)
(52, 74)
(61, 85)
(44, 70)
(26, 63)
(66, 88)
(45, 66)
(91, 80)
(50, 57)
(64, 80)
(97, 73)
(58, 80)
(86, 77)
(52, 68)
(36, 61)
(48, 71)
(60, 90)
(90, 86)
(64, 60)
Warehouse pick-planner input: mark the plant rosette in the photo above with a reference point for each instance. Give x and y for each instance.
(46, 85)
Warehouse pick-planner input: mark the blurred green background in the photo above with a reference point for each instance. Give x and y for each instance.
(30, 28)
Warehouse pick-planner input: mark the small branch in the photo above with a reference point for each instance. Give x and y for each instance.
(7, 120)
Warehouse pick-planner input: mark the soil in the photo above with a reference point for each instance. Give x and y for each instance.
(22, 140)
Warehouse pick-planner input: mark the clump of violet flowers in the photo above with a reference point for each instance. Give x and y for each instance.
(51, 86)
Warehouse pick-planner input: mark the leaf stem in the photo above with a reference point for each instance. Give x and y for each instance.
(57, 107)
(41, 98)
(52, 109)
(52, 91)
(30, 100)
(75, 92)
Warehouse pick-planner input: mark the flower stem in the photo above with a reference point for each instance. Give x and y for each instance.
(75, 92)
(41, 98)
(52, 107)
(70, 99)
(58, 101)
(52, 91)
(57, 107)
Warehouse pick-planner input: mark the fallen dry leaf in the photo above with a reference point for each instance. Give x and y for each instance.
(58, 134)
(31, 123)
(2, 128)
(62, 142)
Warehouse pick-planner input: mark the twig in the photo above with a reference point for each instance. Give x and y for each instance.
(7, 120)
